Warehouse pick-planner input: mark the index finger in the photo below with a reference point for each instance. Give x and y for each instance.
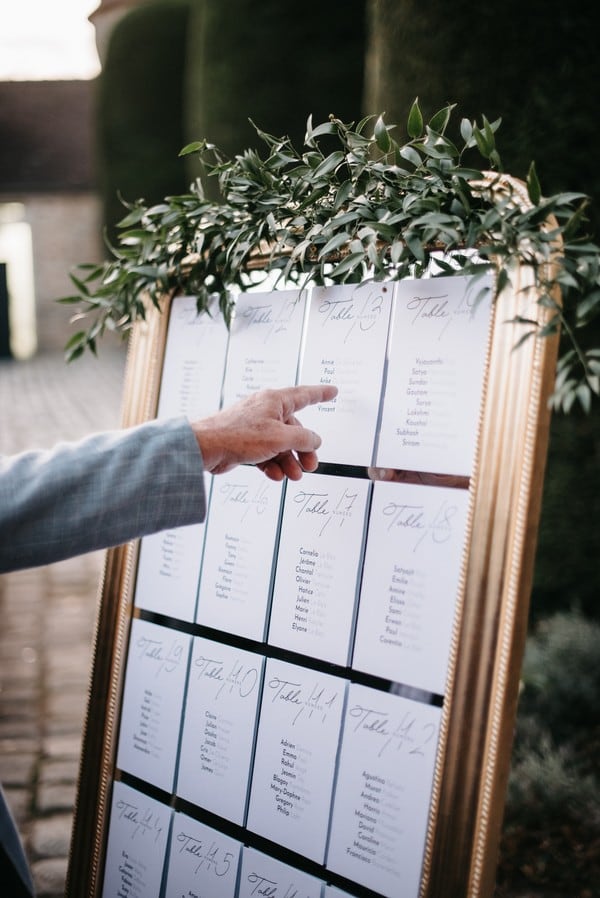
(296, 398)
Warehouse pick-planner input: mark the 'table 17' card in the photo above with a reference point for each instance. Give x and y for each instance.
(241, 531)
(152, 702)
(295, 757)
(220, 720)
(345, 346)
(383, 791)
(410, 583)
(320, 551)
(264, 345)
(195, 352)
(435, 375)
(137, 843)
(203, 862)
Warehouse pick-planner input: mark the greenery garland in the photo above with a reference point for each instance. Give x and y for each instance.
(356, 204)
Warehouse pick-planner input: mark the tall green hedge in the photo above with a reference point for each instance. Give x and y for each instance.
(275, 63)
(140, 130)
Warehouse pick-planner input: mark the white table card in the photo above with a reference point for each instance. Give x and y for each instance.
(194, 362)
(264, 877)
(345, 345)
(410, 583)
(137, 842)
(296, 751)
(218, 736)
(435, 375)
(320, 552)
(203, 863)
(264, 344)
(334, 892)
(241, 529)
(169, 569)
(153, 702)
(383, 791)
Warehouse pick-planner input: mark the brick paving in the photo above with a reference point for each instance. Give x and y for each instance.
(48, 614)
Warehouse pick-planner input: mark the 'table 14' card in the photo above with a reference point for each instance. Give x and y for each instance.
(296, 752)
(218, 736)
(410, 583)
(345, 345)
(137, 843)
(320, 552)
(383, 791)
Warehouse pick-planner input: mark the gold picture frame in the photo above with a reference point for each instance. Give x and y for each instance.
(488, 640)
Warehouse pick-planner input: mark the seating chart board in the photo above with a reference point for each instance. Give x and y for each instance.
(291, 705)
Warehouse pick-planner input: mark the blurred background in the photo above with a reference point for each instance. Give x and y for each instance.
(97, 99)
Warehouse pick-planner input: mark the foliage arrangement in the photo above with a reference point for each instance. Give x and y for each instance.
(356, 204)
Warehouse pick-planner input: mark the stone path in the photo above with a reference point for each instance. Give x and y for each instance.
(47, 615)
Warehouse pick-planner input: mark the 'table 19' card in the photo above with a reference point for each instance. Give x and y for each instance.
(295, 757)
(320, 552)
(435, 375)
(345, 345)
(218, 736)
(410, 583)
(383, 791)
(153, 702)
(241, 531)
(137, 843)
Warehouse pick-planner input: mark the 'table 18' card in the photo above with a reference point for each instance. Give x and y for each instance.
(218, 736)
(264, 345)
(194, 364)
(153, 702)
(320, 551)
(296, 752)
(241, 531)
(435, 375)
(410, 583)
(383, 791)
(345, 345)
(203, 863)
(137, 843)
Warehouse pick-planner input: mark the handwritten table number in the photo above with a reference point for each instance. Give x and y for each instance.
(218, 736)
(137, 842)
(295, 757)
(410, 582)
(264, 877)
(153, 702)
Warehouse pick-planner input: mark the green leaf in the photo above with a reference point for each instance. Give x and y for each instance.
(440, 120)
(466, 130)
(414, 125)
(533, 185)
(382, 137)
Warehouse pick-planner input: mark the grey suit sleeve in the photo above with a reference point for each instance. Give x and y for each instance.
(100, 492)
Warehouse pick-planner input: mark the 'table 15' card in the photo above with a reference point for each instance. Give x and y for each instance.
(203, 862)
